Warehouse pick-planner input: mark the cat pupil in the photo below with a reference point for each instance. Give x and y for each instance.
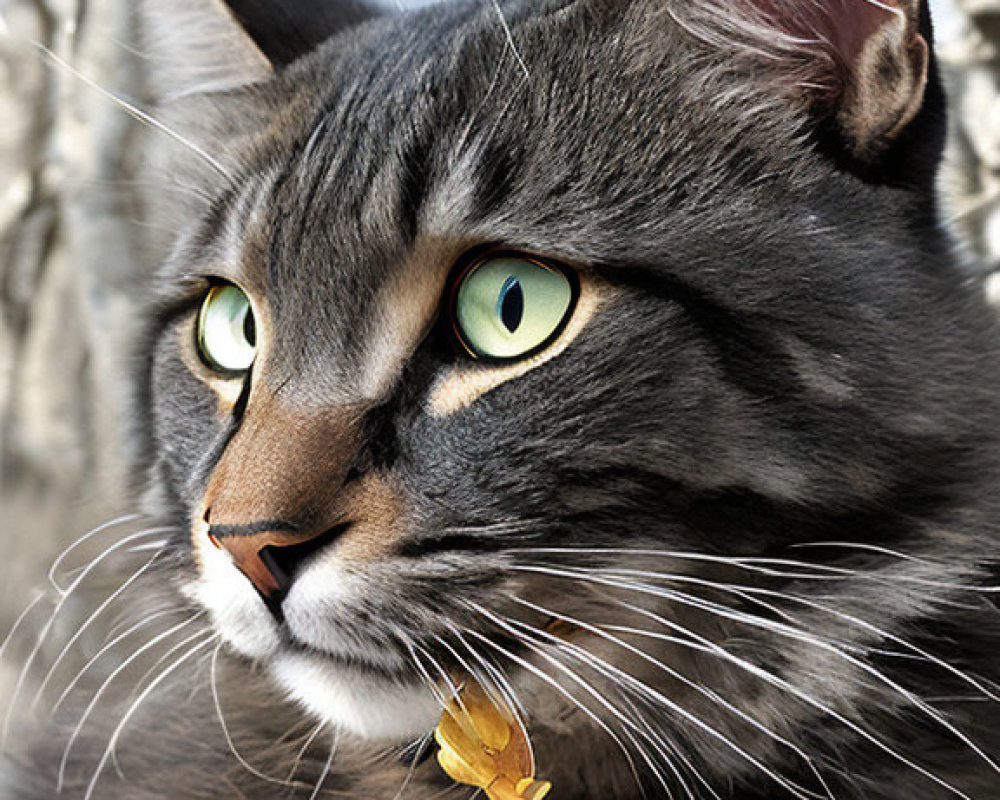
(249, 329)
(511, 304)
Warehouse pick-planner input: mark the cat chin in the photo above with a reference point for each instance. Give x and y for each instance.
(314, 612)
(365, 704)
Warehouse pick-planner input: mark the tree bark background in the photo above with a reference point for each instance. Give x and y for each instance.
(71, 270)
(74, 259)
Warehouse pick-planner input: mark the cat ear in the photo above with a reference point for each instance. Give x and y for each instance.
(218, 45)
(283, 30)
(862, 64)
(196, 46)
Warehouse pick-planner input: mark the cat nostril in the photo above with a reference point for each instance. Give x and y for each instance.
(270, 558)
(286, 561)
(353, 474)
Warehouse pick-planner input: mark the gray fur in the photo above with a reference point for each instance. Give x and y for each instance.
(792, 356)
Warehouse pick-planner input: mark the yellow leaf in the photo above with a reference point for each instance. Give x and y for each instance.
(483, 745)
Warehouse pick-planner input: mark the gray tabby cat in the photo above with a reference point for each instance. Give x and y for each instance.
(609, 352)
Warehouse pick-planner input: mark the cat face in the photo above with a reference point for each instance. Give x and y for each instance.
(483, 344)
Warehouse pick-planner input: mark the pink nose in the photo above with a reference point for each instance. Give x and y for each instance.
(269, 553)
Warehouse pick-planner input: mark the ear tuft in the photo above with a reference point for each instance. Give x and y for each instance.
(197, 46)
(861, 63)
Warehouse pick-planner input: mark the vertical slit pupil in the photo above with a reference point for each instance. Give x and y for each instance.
(249, 328)
(511, 304)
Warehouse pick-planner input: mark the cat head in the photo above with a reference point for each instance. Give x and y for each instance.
(486, 319)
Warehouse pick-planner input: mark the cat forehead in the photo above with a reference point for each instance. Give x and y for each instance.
(449, 131)
(391, 154)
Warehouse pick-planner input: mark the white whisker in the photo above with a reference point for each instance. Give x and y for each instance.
(728, 613)
(214, 684)
(43, 634)
(510, 39)
(54, 569)
(831, 647)
(422, 745)
(707, 646)
(326, 767)
(134, 707)
(108, 681)
(20, 621)
(106, 648)
(662, 699)
(135, 111)
(545, 678)
(87, 623)
(160, 544)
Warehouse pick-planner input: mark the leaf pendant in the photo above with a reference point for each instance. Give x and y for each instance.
(483, 745)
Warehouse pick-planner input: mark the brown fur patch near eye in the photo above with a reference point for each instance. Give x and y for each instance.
(408, 304)
(462, 385)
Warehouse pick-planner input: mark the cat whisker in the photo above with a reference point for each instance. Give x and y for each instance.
(301, 754)
(159, 545)
(510, 39)
(20, 621)
(431, 684)
(702, 644)
(674, 750)
(54, 569)
(712, 696)
(421, 745)
(764, 566)
(326, 767)
(217, 701)
(47, 627)
(727, 613)
(878, 631)
(116, 734)
(64, 761)
(81, 629)
(866, 547)
(840, 651)
(126, 616)
(147, 620)
(134, 111)
(613, 672)
(589, 713)
(502, 690)
(750, 594)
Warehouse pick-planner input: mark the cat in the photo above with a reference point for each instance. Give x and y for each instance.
(609, 353)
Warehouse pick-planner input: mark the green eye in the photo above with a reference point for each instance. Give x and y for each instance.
(508, 307)
(227, 335)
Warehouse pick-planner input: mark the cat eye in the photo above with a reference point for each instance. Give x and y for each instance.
(227, 334)
(506, 307)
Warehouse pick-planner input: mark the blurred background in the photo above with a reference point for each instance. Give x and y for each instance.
(75, 254)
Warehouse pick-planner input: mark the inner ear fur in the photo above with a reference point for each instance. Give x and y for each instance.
(861, 64)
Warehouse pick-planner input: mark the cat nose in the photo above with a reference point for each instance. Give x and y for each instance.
(277, 494)
(270, 553)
